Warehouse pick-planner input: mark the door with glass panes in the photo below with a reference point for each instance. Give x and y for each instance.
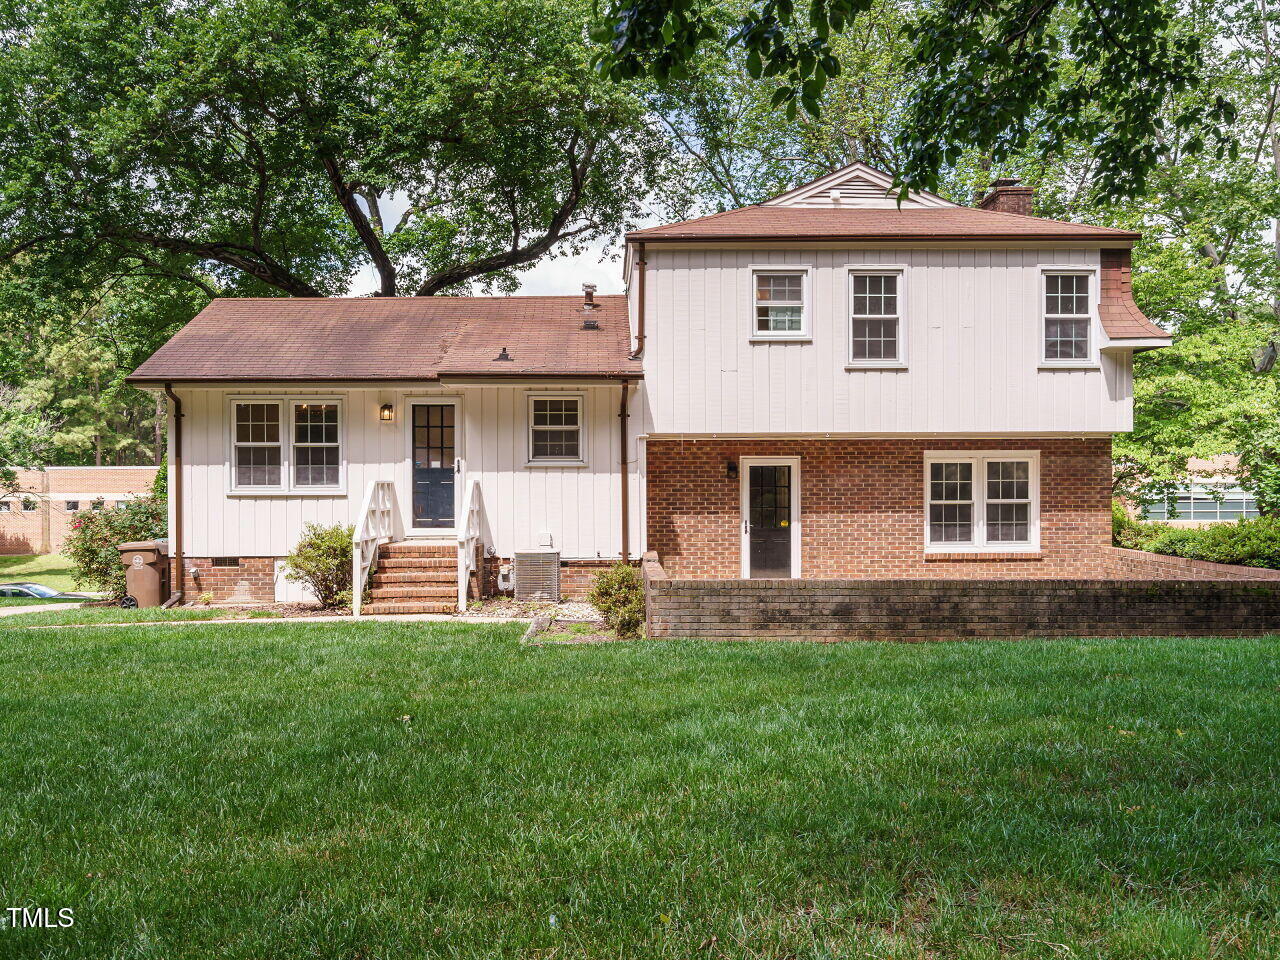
(434, 462)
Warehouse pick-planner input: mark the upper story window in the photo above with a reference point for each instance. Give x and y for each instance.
(282, 445)
(779, 303)
(875, 318)
(982, 501)
(1067, 316)
(316, 457)
(555, 429)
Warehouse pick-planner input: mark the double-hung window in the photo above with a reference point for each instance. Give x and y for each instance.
(1067, 317)
(286, 445)
(875, 301)
(780, 304)
(316, 457)
(258, 457)
(982, 501)
(555, 429)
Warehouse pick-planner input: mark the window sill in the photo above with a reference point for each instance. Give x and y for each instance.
(280, 492)
(1070, 365)
(555, 463)
(761, 339)
(888, 365)
(983, 555)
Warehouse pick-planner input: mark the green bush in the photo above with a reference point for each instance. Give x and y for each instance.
(1130, 533)
(93, 546)
(322, 561)
(1250, 543)
(618, 593)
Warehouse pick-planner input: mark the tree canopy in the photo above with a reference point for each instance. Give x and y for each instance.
(1000, 76)
(254, 146)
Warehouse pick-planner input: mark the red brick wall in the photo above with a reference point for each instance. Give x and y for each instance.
(26, 531)
(862, 508)
(252, 581)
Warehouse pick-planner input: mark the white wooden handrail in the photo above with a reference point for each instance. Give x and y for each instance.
(470, 521)
(377, 525)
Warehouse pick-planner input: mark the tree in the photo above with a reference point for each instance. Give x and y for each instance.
(24, 436)
(255, 146)
(999, 76)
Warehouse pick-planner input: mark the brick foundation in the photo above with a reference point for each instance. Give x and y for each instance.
(576, 576)
(914, 609)
(251, 581)
(862, 508)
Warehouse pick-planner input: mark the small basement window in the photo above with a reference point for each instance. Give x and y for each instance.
(225, 562)
(73, 506)
(29, 505)
(5, 506)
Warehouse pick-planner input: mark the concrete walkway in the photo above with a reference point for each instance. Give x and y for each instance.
(38, 608)
(379, 618)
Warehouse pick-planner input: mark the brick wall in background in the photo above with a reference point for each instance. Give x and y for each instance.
(862, 508)
(44, 529)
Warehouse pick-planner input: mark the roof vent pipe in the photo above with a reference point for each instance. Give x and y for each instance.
(589, 306)
(503, 355)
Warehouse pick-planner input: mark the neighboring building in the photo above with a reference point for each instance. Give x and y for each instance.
(1214, 495)
(820, 386)
(38, 519)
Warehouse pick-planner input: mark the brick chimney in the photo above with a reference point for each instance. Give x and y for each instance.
(1009, 196)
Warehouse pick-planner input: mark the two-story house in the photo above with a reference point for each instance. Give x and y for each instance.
(825, 385)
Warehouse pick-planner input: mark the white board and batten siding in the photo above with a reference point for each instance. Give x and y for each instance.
(973, 324)
(577, 509)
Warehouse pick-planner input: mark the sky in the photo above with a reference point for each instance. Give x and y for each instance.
(601, 264)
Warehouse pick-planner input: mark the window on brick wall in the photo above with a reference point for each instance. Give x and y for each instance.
(29, 505)
(982, 501)
(73, 506)
(5, 506)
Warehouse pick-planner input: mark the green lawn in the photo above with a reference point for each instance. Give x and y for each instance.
(51, 569)
(410, 790)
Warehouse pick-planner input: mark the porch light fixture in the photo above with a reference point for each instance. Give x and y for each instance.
(731, 469)
(386, 413)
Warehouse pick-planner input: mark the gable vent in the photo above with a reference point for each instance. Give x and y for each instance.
(538, 575)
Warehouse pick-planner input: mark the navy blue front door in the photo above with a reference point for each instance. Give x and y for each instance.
(433, 464)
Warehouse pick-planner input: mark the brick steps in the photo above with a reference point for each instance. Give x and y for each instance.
(409, 606)
(414, 577)
(447, 575)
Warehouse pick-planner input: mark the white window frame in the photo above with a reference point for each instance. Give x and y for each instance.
(1090, 360)
(876, 269)
(805, 333)
(979, 460)
(293, 405)
(286, 487)
(6, 506)
(581, 459)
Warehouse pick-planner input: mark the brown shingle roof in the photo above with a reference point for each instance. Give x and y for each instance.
(1120, 316)
(400, 338)
(766, 222)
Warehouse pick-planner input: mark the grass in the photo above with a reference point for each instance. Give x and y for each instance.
(391, 790)
(52, 570)
(102, 615)
(32, 601)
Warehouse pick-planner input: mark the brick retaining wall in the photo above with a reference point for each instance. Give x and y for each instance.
(915, 609)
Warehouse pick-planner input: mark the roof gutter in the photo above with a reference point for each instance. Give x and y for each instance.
(1095, 239)
(175, 491)
(357, 381)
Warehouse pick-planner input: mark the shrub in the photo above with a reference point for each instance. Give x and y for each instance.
(618, 593)
(93, 546)
(322, 561)
(1250, 543)
(1131, 533)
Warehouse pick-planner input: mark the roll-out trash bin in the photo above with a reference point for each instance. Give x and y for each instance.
(146, 573)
